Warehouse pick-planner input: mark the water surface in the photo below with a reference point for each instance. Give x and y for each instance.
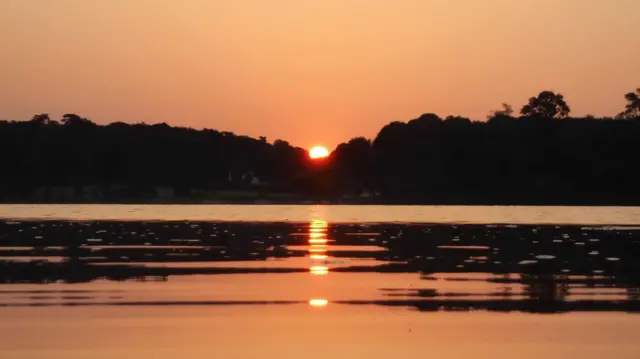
(331, 213)
(214, 287)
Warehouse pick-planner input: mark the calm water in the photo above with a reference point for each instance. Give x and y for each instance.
(332, 214)
(318, 282)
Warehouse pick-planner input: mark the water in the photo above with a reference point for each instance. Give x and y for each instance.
(287, 282)
(332, 214)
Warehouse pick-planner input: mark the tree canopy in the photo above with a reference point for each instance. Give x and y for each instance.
(531, 159)
(632, 109)
(546, 105)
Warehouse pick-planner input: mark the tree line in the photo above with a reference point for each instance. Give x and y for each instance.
(136, 158)
(541, 156)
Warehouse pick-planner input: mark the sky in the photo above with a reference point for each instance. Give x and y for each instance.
(314, 71)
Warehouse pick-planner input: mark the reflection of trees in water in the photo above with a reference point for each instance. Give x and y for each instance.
(545, 287)
(546, 293)
(506, 290)
(411, 248)
(72, 270)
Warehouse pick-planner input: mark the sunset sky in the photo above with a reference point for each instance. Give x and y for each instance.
(311, 71)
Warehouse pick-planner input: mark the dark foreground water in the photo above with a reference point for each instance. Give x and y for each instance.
(317, 289)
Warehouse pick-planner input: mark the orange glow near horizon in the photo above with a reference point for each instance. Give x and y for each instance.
(318, 152)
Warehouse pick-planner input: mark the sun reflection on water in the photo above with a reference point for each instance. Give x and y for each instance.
(319, 270)
(318, 246)
(318, 242)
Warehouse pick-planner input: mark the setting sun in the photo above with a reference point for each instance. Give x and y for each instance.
(318, 152)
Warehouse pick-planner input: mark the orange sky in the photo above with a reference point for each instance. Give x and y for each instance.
(312, 71)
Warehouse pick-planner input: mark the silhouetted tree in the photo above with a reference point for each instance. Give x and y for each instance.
(546, 105)
(354, 163)
(128, 162)
(506, 111)
(72, 119)
(632, 109)
(457, 120)
(426, 160)
(41, 119)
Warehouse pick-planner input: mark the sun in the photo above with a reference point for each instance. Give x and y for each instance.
(318, 152)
